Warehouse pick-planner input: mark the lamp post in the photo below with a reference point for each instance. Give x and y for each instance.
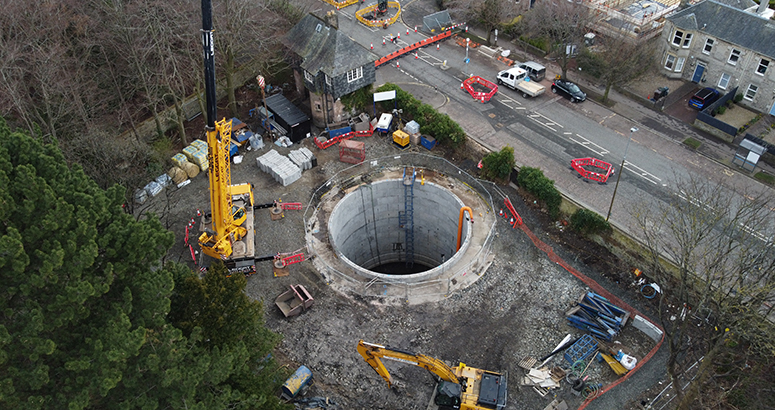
(621, 170)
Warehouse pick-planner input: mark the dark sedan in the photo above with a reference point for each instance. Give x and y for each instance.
(570, 89)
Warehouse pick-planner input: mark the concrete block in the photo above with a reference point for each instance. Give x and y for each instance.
(647, 327)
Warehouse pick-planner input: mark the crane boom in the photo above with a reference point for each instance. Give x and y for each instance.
(462, 387)
(224, 227)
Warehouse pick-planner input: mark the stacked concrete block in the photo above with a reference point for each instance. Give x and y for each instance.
(302, 158)
(282, 169)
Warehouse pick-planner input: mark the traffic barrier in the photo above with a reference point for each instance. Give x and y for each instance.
(331, 141)
(410, 48)
(579, 165)
(468, 85)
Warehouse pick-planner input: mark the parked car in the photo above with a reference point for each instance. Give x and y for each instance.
(704, 98)
(534, 70)
(570, 89)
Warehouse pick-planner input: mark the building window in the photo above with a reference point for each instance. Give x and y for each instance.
(670, 62)
(328, 79)
(734, 56)
(708, 46)
(724, 81)
(678, 37)
(751, 92)
(353, 75)
(763, 64)
(680, 64)
(687, 40)
(308, 76)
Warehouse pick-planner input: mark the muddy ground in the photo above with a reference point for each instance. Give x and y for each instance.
(515, 309)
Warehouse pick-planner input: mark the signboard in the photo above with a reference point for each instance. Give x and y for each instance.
(384, 96)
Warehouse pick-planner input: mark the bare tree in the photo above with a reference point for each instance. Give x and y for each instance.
(490, 14)
(620, 60)
(563, 23)
(711, 250)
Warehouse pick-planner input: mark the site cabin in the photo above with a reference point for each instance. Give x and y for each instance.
(294, 301)
(518, 79)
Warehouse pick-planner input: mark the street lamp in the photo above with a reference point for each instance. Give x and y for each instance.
(619, 175)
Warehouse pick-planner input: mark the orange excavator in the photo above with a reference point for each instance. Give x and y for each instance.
(461, 387)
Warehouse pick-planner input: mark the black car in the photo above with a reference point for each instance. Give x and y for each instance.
(572, 90)
(704, 98)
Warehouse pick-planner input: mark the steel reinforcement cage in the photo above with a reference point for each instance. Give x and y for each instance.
(396, 288)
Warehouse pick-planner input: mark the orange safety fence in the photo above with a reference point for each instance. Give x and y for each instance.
(352, 134)
(412, 47)
(578, 164)
(468, 85)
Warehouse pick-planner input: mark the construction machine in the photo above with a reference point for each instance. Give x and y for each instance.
(228, 228)
(461, 387)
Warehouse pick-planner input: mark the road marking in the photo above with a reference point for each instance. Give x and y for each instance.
(597, 149)
(644, 174)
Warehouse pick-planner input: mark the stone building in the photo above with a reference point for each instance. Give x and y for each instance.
(329, 64)
(724, 45)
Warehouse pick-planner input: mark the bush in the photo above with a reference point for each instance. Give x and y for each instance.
(498, 165)
(722, 109)
(432, 122)
(738, 98)
(534, 182)
(590, 63)
(360, 100)
(587, 222)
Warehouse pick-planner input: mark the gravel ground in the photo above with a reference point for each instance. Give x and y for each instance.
(514, 310)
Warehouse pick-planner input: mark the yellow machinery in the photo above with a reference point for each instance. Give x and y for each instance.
(461, 387)
(228, 230)
(400, 138)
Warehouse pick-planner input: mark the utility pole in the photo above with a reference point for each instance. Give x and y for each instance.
(621, 171)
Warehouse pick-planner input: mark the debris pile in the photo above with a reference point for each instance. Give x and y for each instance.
(596, 315)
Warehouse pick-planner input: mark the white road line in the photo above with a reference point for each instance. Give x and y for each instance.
(644, 174)
(597, 149)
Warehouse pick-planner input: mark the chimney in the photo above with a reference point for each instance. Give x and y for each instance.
(332, 19)
(763, 4)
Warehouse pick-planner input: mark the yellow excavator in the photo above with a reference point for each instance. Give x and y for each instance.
(228, 228)
(462, 387)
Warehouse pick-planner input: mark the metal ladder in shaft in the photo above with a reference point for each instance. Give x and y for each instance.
(406, 218)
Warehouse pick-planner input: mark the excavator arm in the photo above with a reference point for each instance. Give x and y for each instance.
(373, 354)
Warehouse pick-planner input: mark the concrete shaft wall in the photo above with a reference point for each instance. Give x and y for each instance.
(364, 225)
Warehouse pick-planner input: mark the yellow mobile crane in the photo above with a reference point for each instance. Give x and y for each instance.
(462, 387)
(228, 231)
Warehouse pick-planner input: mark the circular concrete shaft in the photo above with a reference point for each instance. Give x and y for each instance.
(388, 222)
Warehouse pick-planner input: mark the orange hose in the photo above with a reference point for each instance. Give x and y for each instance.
(460, 223)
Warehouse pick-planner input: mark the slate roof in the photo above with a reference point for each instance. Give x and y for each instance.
(324, 48)
(730, 24)
(739, 4)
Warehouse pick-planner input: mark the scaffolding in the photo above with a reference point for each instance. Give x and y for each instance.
(406, 218)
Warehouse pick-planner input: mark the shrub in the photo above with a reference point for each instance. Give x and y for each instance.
(432, 122)
(738, 98)
(722, 109)
(590, 63)
(587, 222)
(534, 182)
(498, 165)
(360, 99)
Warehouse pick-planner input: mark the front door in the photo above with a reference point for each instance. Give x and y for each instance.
(698, 73)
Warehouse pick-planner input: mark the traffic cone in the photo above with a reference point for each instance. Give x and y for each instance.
(437, 46)
(415, 29)
(466, 29)
(383, 41)
(372, 46)
(407, 32)
(416, 56)
(399, 35)
(398, 64)
(500, 213)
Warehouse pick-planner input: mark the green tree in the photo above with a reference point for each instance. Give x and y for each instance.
(498, 165)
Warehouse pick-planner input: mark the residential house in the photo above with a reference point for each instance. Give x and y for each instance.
(724, 45)
(329, 64)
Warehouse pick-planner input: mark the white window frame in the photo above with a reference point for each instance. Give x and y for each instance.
(763, 63)
(679, 36)
(670, 62)
(328, 79)
(736, 54)
(752, 89)
(724, 76)
(687, 40)
(355, 74)
(308, 76)
(708, 46)
(679, 65)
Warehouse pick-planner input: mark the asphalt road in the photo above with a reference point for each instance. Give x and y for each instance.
(547, 131)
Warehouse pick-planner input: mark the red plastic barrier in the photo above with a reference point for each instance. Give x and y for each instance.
(331, 141)
(410, 48)
(468, 85)
(514, 214)
(578, 164)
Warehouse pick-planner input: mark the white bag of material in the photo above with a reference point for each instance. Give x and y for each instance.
(256, 142)
(238, 159)
(141, 195)
(164, 180)
(153, 188)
